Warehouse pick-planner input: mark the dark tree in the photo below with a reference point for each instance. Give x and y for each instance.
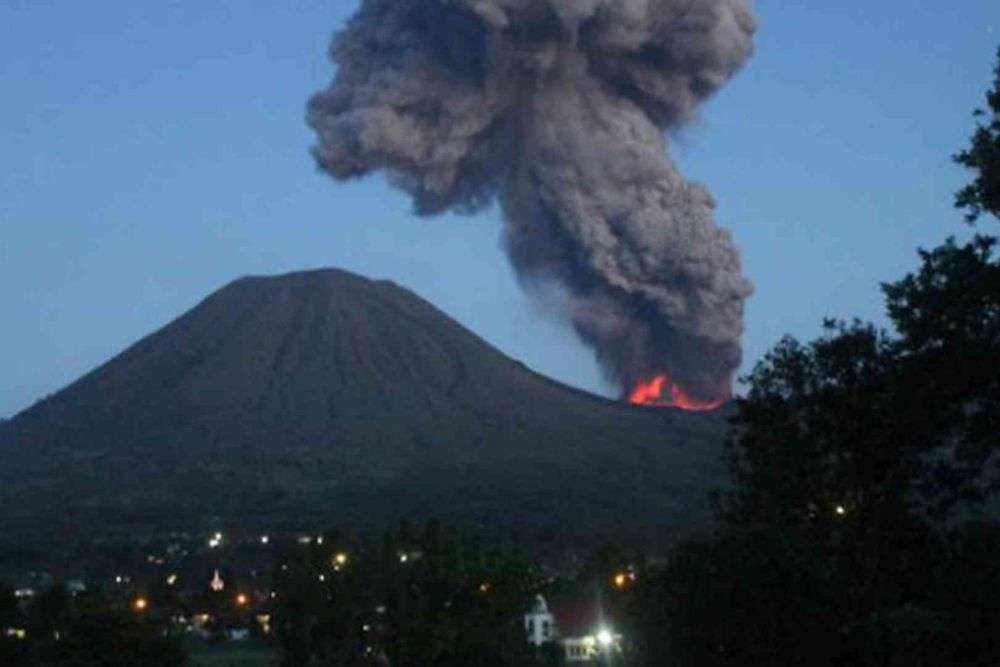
(442, 597)
(855, 460)
(761, 597)
(983, 157)
(834, 449)
(818, 439)
(13, 650)
(112, 638)
(948, 317)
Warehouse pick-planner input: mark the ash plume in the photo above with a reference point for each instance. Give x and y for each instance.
(557, 108)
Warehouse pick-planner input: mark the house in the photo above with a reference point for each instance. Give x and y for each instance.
(578, 626)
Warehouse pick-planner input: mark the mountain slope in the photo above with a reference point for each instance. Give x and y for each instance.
(323, 396)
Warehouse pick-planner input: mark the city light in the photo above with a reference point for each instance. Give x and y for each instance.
(403, 558)
(171, 579)
(605, 637)
(264, 539)
(841, 510)
(485, 587)
(241, 600)
(140, 604)
(621, 579)
(340, 558)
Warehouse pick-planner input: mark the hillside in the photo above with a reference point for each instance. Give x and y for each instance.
(325, 397)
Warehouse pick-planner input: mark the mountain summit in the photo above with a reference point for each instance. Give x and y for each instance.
(325, 397)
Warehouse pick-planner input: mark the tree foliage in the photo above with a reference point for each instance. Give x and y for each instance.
(856, 460)
(83, 631)
(443, 597)
(983, 157)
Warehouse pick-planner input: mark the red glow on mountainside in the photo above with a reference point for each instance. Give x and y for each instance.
(662, 393)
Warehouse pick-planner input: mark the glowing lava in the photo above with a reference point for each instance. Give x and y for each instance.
(651, 392)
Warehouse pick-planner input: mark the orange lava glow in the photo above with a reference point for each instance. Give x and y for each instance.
(660, 392)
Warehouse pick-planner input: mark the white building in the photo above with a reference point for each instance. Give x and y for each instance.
(539, 624)
(579, 627)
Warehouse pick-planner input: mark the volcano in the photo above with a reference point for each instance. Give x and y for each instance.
(322, 398)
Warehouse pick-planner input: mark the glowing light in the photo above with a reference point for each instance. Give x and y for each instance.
(621, 580)
(242, 599)
(217, 584)
(403, 558)
(841, 510)
(140, 604)
(660, 392)
(485, 587)
(15, 633)
(264, 539)
(322, 577)
(340, 558)
(171, 579)
(605, 637)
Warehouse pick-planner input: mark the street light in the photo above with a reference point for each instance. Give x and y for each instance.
(140, 604)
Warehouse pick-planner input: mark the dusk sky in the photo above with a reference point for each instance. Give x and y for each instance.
(153, 152)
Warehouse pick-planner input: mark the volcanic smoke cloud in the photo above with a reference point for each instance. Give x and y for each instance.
(558, 108)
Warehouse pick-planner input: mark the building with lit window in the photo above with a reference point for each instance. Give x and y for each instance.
(578, 626)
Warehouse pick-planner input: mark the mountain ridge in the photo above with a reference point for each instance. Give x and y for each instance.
(322, 395)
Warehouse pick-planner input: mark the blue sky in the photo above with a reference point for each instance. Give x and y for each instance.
(152, 152)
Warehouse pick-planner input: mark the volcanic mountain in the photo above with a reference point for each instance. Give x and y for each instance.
(320, 398)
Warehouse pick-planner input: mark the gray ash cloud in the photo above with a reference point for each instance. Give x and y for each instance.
(557, 109)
